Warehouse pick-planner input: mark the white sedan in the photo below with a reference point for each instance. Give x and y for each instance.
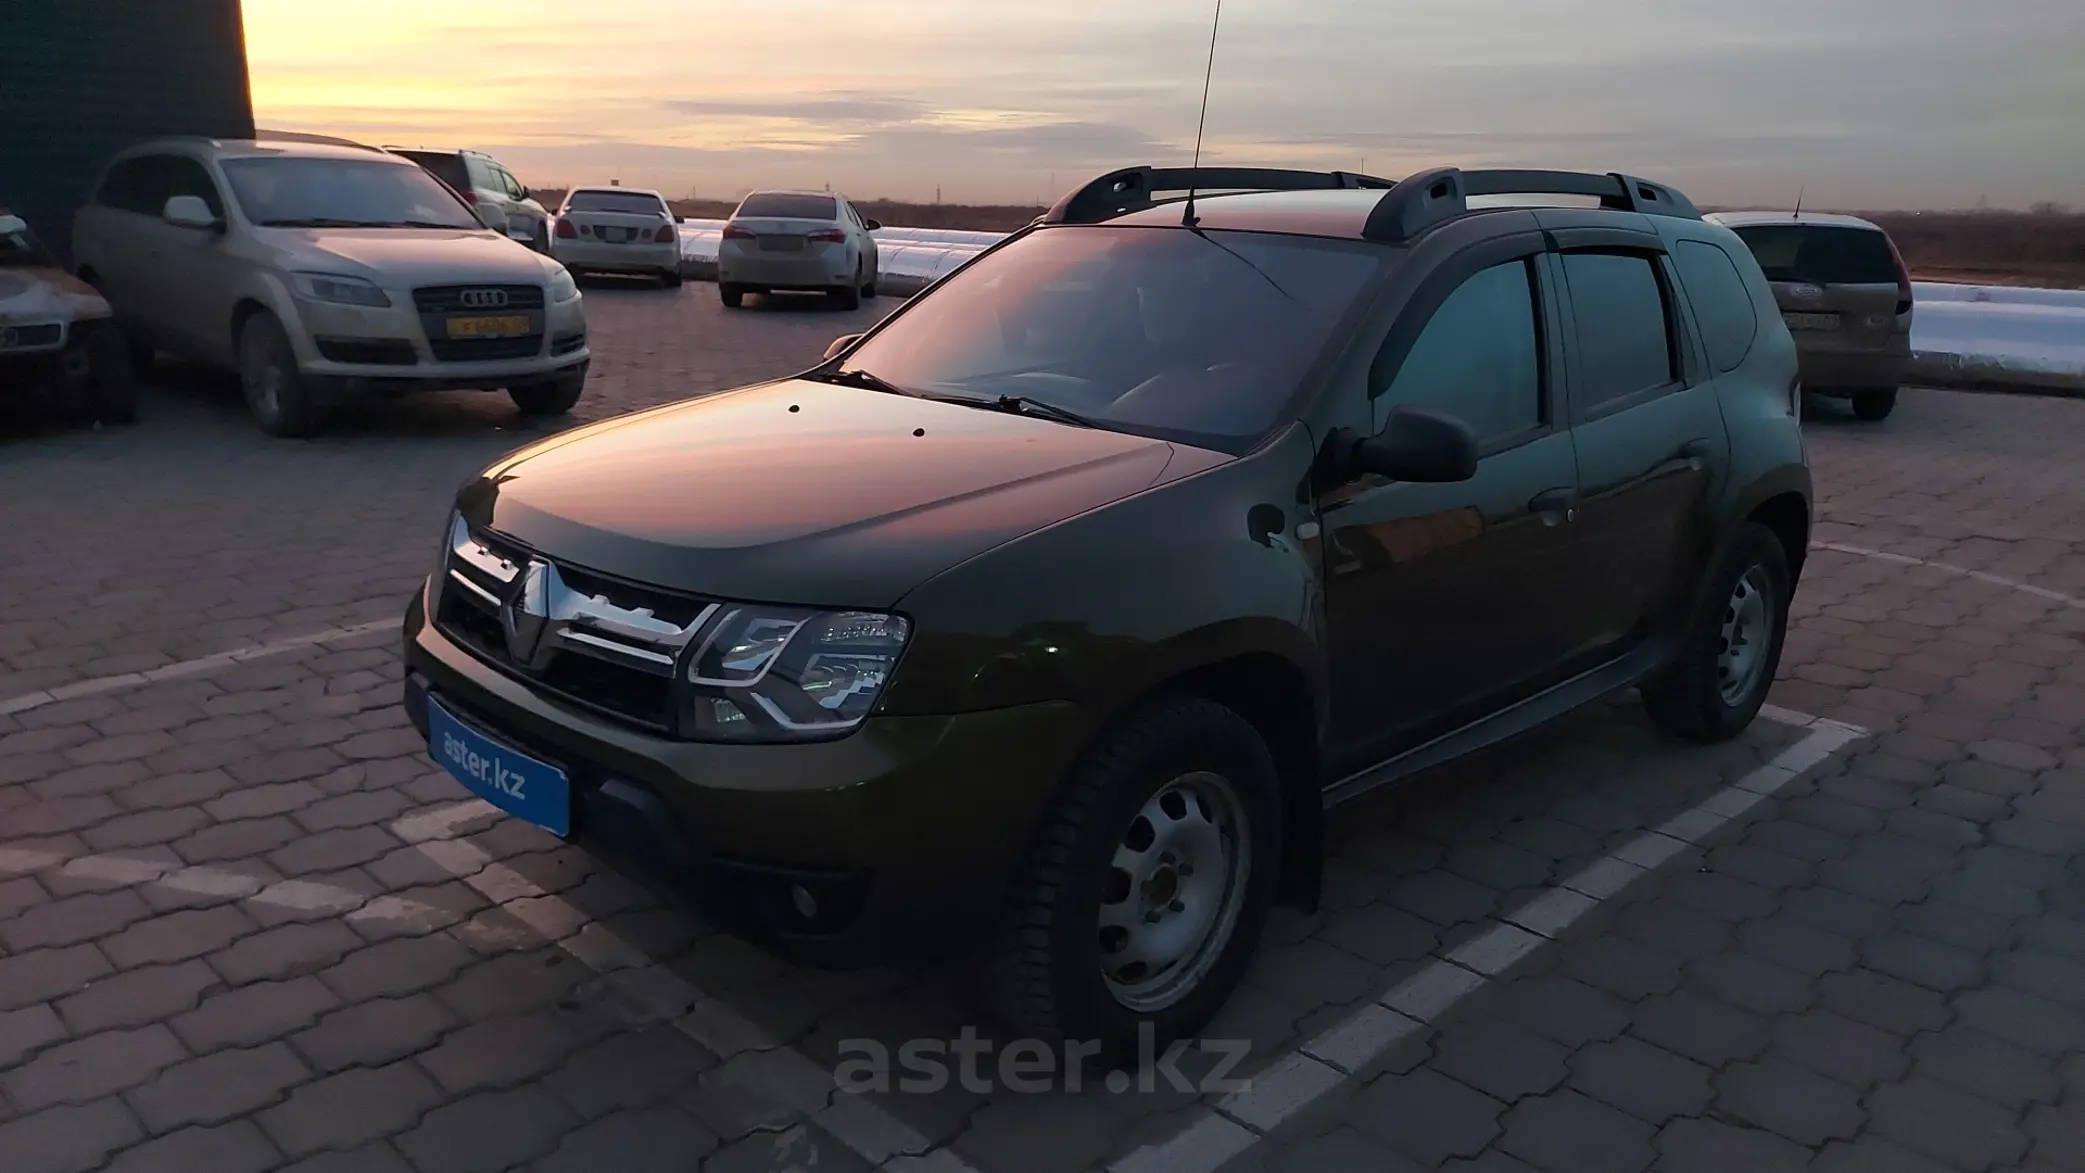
(810, 241)
(617, 230)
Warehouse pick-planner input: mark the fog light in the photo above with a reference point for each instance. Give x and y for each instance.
(806, 904)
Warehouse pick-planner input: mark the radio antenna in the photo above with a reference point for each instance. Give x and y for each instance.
(1799, 202)
(1187, 217)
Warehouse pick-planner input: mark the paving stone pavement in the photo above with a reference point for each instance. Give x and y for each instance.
(245, 924)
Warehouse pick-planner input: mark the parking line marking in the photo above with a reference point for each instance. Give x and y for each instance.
(1979, 575)
(1227, 1131)
(201, 665)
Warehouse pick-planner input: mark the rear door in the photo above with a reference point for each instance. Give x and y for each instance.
(1646, 424)
(1840, 288)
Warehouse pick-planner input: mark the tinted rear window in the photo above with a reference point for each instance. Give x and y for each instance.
(1821, 255)
(448, 168)
(615, 201)
(793, 207)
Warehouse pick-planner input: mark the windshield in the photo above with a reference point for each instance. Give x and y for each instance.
(1823, 256)
(289, 192)
(784, 205)
(615, 201)
(1197, 337)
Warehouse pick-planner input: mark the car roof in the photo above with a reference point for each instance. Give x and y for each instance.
(1752, 219)
(595, 187)
(273, 147)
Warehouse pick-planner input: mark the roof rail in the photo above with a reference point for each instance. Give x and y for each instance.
(298, 136)
(1430, 197)
(1120, 192)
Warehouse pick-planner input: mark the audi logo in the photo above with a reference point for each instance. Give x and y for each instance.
(483, 299)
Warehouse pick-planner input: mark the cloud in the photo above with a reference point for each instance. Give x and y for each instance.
(837, 109)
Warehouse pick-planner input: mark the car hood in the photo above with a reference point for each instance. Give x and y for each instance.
(806, 492)
(39, 294)
(411, 256)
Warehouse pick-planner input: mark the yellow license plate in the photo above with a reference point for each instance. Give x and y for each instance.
(510, 326)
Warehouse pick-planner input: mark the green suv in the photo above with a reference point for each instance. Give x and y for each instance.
(1043, 622)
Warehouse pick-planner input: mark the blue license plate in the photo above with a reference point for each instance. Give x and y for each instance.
(525, 787)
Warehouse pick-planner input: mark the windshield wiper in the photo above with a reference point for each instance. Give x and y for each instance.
(425, 224)
(1022, 405)
(319, 222)
(866, 380)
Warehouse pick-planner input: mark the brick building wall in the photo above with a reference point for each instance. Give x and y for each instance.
(82, 79)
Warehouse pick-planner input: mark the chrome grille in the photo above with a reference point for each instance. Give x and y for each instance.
(595, 641)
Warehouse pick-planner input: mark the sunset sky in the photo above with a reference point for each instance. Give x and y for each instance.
(1871, 103)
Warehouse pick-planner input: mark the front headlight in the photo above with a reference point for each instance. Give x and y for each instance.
(561, 287)
(787, 674)
(338, 290)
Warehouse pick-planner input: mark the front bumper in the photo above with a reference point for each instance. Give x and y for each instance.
(906, 833)
(360, 350)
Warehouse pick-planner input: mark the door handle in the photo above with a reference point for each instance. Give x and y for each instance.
(1555, 507)
(1693, 456)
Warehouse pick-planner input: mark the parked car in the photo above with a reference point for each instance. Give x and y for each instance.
(59, 345)
(1043, 621)
(1845, 293)
(323, 273)
(618, 230)
(504, 202)
(804, 241)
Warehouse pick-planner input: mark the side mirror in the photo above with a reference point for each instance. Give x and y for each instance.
(1420, 446)
(839, 344)
(872, 225)
(187, 211)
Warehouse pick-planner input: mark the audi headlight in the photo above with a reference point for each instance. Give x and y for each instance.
(560, 287)
(338, 290)
(788, 674)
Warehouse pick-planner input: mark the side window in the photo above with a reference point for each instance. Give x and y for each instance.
(479, 175)
(186, 176)
(1625, 342)
(1479, 357)
(513, 185)
(1722, 303)
(137, 185)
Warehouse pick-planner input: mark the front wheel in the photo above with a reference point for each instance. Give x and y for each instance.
(1715, 688)
(269, 379)
(1874, 405)
(553, 398)
(112, 379)
(1147, 884)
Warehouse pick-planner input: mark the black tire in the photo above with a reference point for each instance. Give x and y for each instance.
(670, 279)
(1688, 699)
(1874, 405)
(1048, 980)
(553, 398)
(268, 378)
(112, 396)
(869, 290)
(732, 296)
(849, 297)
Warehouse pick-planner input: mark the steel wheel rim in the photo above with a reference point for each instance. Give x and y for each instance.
(1741, 652)
(1174, 891)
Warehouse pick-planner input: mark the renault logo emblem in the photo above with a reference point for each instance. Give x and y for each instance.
(526, 616)
(483, 299)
